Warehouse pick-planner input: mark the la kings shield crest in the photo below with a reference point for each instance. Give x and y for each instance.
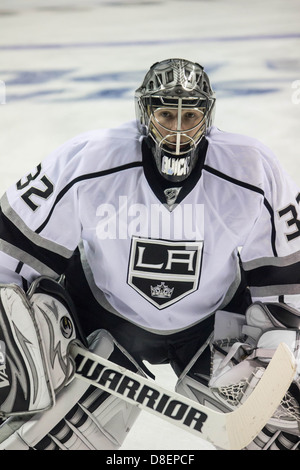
(164, 271)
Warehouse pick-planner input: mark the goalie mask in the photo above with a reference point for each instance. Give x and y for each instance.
(174, 108)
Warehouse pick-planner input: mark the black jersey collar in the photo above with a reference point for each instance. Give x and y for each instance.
(159, 184)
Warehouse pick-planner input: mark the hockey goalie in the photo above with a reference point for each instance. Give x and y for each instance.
(163, 240)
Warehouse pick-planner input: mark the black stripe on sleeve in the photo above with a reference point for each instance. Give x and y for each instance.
(12, 235)
(273, 228)
(273, 275)
(218, 173)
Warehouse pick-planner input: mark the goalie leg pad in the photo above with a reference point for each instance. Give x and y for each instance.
(274, 439)
(193, 383)
(98, 421)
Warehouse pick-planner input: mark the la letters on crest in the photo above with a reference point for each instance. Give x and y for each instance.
(164, 271)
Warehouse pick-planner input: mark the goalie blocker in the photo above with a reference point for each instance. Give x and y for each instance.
(35, 332)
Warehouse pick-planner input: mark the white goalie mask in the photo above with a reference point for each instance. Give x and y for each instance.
(174, 108)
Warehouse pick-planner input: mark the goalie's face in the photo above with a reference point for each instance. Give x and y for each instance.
(177, 129)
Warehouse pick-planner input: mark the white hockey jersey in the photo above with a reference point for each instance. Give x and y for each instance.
(160, 266)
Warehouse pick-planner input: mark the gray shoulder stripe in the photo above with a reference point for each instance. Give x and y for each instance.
(269, 291)
(279, 261)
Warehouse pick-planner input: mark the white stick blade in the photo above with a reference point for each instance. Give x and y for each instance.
(246, 422)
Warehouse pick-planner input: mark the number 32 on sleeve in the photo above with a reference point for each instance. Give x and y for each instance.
(44, 191)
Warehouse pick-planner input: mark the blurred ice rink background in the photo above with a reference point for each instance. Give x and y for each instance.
(69, 66)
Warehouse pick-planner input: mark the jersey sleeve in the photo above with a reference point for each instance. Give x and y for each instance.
(271, 253)
(39, 222)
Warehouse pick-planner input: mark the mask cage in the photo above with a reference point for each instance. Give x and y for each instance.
(160, 134)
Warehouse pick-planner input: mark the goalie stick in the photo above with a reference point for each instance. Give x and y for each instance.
(229, 431)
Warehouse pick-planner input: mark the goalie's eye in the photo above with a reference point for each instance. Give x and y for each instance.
(165, 115)
(194, 116)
